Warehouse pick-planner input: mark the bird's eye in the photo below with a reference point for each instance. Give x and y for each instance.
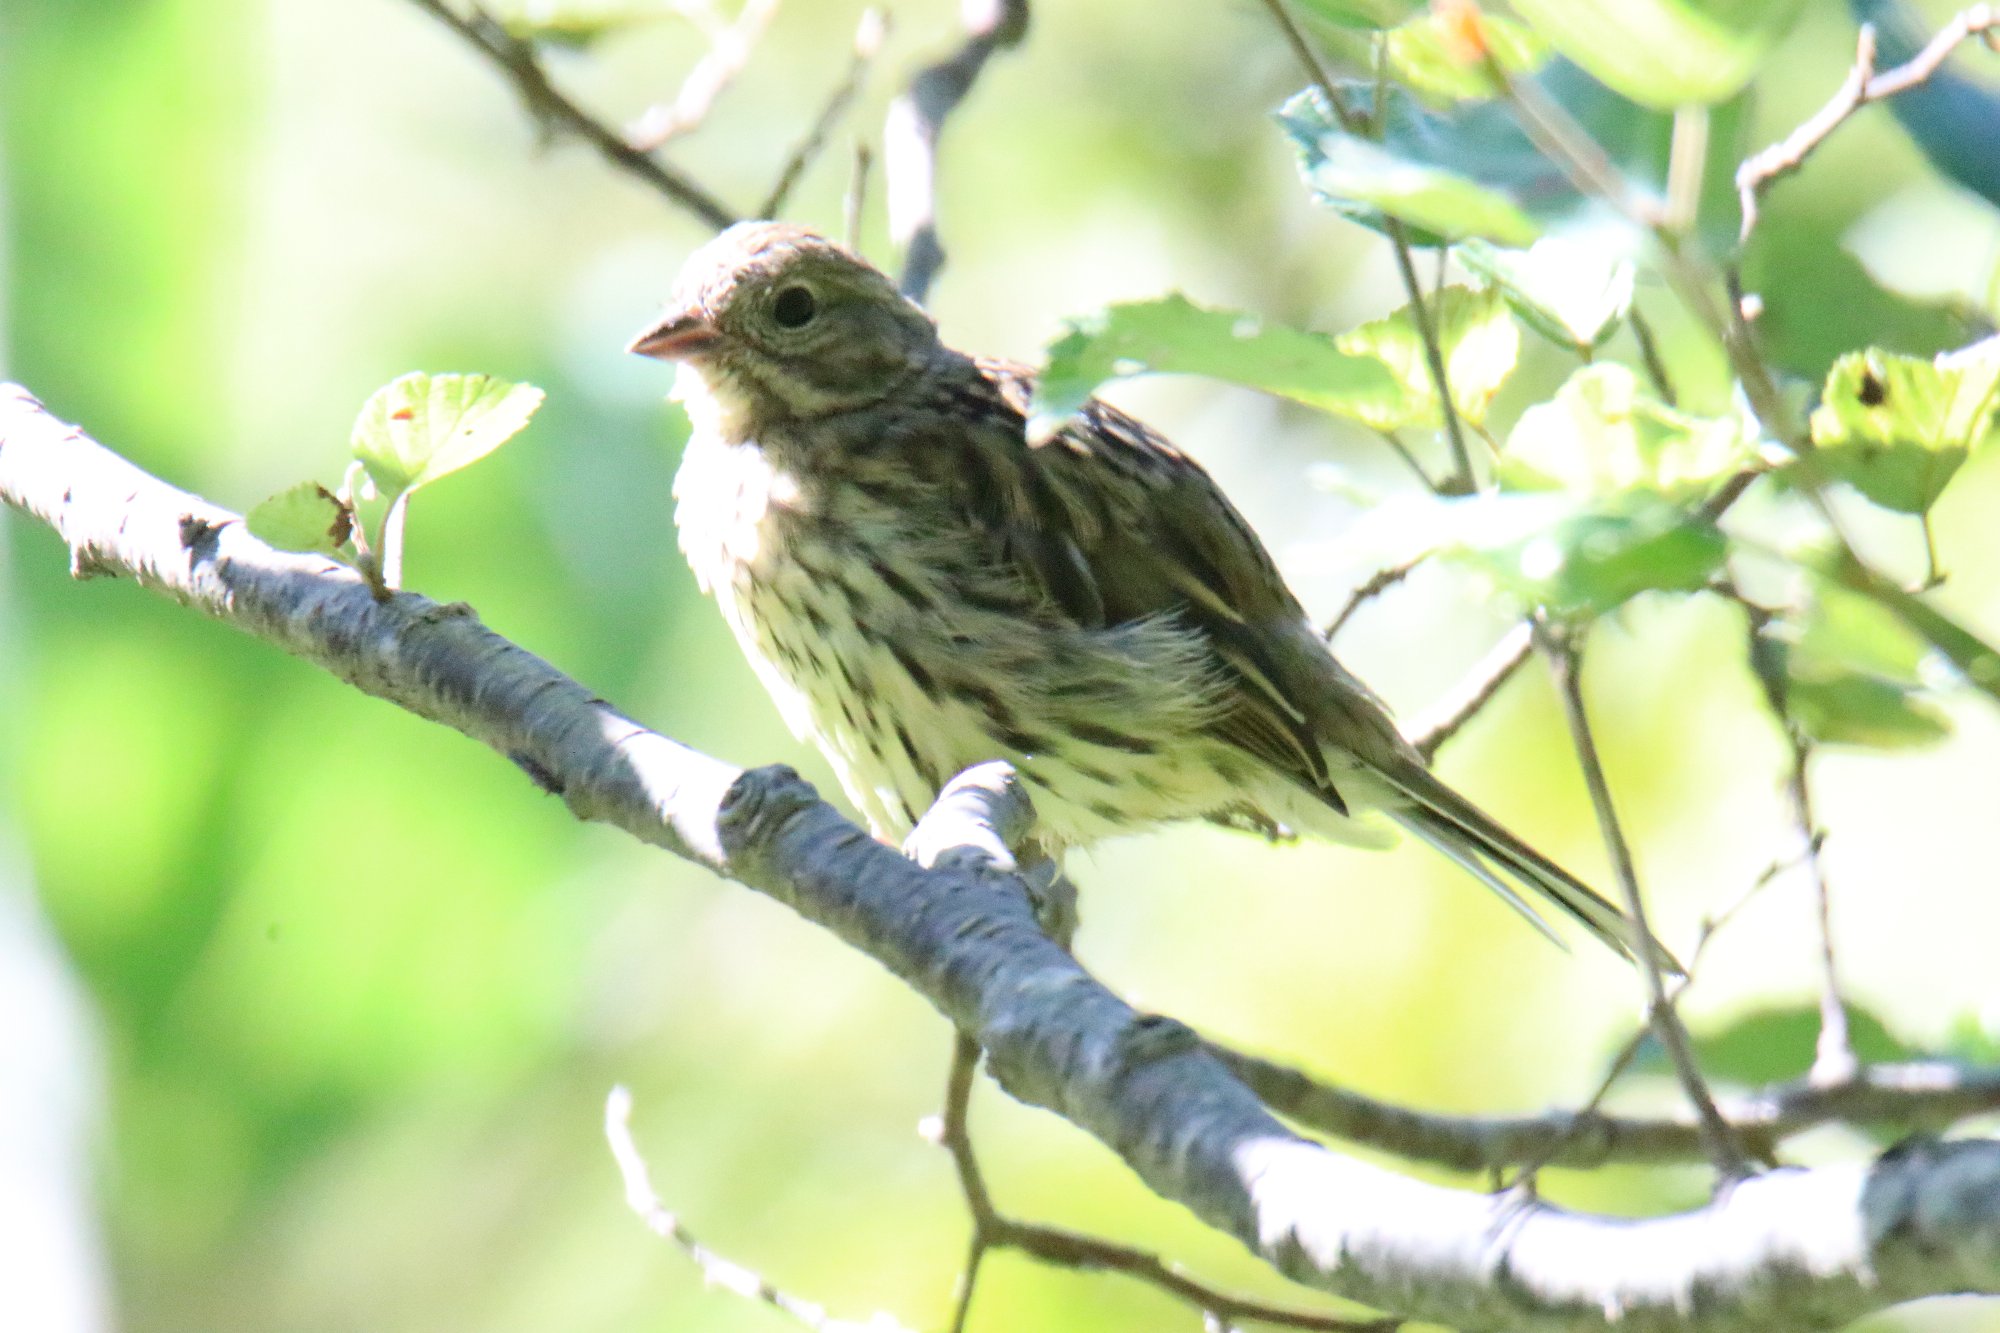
(794, 308)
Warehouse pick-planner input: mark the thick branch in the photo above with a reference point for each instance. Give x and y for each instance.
(1823, 1245)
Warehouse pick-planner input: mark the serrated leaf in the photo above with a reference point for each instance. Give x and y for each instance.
(1480, 343)
(1583, 561)
(1897, 428)
(305, 517)
(1366, 181)
(1572, 291)
(1665, 53)
(1604, 433)
(420, 427)
(1174, 335)
(1430, 54)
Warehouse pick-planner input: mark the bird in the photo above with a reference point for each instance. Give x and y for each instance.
(922, 584)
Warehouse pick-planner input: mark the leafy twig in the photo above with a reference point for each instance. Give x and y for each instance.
(716, 1270)
(868, 35)
(1462, 480)
(1565, 662)
(910, 135)
(554, 110)
(1862, 86)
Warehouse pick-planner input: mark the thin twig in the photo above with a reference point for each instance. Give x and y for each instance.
(729, 48)
(1649, 354)
(868, 37)
(1862, 86)
(555, 111)
(1462, 480)
(716, 1270)
(1430, 731)
(917, 117)
(1835, 1059)
(856, 197)
(1378, 583)
(1069, 1249)
(1565, 663)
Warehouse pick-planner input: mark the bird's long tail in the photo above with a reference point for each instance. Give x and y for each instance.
(1501, 861)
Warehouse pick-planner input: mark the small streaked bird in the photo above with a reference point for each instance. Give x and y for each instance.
(921, 587)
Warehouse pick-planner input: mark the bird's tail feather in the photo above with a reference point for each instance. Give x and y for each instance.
(1471, 838)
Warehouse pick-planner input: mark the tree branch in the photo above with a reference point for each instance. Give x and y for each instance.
(869, 33)
(552, 109)
(916, 119)
(1824, 1245)
(1862, 86)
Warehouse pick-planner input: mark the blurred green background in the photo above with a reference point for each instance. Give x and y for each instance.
(350, 993)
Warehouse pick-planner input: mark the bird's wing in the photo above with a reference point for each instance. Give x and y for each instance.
(1113, 525)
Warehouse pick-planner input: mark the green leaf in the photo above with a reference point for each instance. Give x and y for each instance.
(305, 517)
(1897, 428)
(1776, 1045)
(1572, 290)
(1850, 708)
(1603, 433)
(1580, 562)
(1480, 343)
(1665, 53)
(1425, 54)
(1975, 659)
(1367, 181)
(1360, 13)
(1847, 672)
(420, 427)
(1176, 336)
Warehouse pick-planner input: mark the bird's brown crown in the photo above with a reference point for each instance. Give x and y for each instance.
(782, 323)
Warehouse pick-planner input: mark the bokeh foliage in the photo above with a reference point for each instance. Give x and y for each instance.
(361, 989)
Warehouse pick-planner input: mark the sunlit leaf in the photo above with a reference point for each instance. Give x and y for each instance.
(1604, 433)
(1174, 335)
(1897, 428)
(305, 517)
(1665, 53)
(420, 427)
(1974, 658)
(1477, 337)
(1777, 1045)
(1582, 561)
(1572, 290)
(1367, 181)
(1847, 672)
(1850, 708)
(1360, 13)
(1430, 54)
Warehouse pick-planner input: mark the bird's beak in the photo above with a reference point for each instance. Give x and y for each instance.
(680, 334)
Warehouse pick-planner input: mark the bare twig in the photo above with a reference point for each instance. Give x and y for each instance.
(1565, 663)
(1835, 1059)
(1377, 583)
(1649, 355)
(1862, 86)
(555, 111)
(729, 48)
(1430, 731)
(856, 197)
(868, 35)
(910, 136)
(716, 1271)
(1462, 480)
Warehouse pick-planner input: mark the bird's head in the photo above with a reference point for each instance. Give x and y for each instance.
(777, 322)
